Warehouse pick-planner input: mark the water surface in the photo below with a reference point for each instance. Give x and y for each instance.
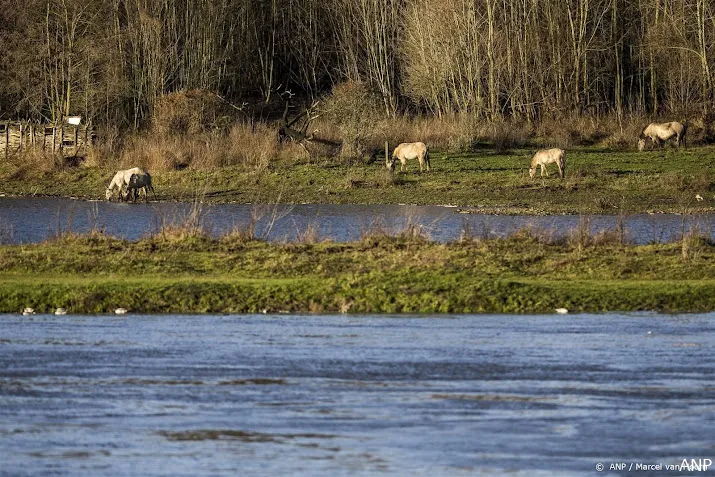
(24, 220)
(258, 395)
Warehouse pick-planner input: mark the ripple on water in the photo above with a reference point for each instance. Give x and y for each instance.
(469, 395)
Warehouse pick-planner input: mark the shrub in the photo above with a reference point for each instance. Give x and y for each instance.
(188, 112)
(354, 109)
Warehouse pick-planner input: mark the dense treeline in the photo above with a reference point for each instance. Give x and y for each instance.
(112, 59)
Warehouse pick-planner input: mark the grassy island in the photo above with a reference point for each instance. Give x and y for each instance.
(193, 273)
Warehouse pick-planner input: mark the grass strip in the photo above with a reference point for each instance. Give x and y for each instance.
(384, 293)
(379, 274)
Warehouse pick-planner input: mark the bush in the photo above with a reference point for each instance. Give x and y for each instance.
(188, 112)
(354, 109)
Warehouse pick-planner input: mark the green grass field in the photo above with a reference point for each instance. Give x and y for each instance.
(96, 274)
(597, 181)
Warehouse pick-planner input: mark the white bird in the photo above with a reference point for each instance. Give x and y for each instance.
(121, 311)
(60, 311)
(28, 311)
(699, 197)
(561, 311)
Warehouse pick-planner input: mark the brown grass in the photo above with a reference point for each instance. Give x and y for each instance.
(34, 162)
(692, 245)
(190, 112)
(253, 147)
(191, 224)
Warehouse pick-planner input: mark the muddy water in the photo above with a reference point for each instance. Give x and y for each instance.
(24, 220)
(366, 395)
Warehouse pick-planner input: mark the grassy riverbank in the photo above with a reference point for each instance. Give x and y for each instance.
(598, 181)
(523, 274)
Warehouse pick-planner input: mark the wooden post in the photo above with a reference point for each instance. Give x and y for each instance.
(7, 137)
(54, 132)
(22, 136)
(76, 138)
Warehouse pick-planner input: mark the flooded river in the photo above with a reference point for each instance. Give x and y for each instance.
(358, 395)
(26, 220)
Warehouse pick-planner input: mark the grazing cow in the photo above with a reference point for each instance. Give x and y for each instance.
(663, 132)
(548, 156)
(409, 150)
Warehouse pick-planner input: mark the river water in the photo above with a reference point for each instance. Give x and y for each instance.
(27, 220)
(262, 395)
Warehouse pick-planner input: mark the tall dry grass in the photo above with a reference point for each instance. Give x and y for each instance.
(194, 130)
(30, 164)
(245, 145)
(190, 224)
(253, 146)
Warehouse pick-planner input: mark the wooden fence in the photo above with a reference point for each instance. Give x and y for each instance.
(64, 139)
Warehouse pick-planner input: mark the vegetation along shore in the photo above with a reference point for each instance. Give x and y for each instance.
(186, 271)
(597, 182)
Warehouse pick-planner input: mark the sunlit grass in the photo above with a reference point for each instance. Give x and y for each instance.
(598, 180)
(402, 272)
